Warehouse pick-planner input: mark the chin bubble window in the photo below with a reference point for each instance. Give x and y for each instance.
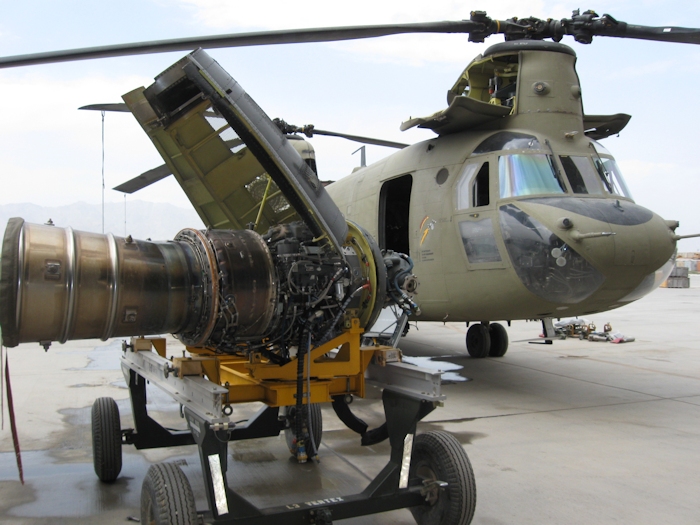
(546, 265)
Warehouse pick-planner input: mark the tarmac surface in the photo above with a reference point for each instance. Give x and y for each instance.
(572, 433)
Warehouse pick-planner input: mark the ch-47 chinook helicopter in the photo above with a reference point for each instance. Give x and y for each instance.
(513, 211)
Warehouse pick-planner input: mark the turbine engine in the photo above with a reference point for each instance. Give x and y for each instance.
(232, 291)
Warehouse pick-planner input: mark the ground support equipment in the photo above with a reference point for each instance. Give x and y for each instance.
(409, 394)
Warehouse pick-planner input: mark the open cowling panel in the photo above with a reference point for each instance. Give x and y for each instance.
(228, 156)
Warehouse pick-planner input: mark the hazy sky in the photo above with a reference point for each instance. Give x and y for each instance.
(50, 153)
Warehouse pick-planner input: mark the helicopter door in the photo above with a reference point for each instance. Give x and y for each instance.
(394, 207)
(476, 216)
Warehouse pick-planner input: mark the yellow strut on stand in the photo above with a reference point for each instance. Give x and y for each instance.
(256, 379)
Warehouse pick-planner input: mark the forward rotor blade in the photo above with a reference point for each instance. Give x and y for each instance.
(262, 38)
(584, 26)
(681, 35)
(362, 140)
(145, 179)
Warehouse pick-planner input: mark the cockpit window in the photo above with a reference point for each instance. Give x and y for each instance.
(473, 186)
(507, 140)
(581, 174)
(480, 188)
(528, 175)
(611, 176)
(608, 171)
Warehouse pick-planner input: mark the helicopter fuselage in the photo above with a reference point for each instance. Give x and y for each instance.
(524, 216)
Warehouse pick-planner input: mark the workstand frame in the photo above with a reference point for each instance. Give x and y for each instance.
(409, 394)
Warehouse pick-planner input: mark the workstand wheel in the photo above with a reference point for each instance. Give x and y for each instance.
(316, 421)
(167, 497)
(438, 456)
(106, 439)
(499, 340)
(478, 340)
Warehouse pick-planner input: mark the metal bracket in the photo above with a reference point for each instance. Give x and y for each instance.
(389, 326)
(415, 381)
(200, 395)
(548, 328)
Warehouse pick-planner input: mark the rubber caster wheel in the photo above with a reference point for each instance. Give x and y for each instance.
(316, 420)
(438, 456)
(499, 340)
(106, 439)
(167, 497)
(478, 341)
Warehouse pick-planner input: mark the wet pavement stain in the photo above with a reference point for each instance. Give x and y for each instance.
(50, 488)
(104, 357)
(253, 456)
(14, 494)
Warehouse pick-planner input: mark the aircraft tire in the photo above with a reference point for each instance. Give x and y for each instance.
(316, 418)
(478, 340)
(167, 497)
(437, 455)
(499, 340)
(106, 439)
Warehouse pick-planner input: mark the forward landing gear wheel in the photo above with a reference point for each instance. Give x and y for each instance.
(478, 340)
(315, 419)
(499, 340)
(167, 497)
(106, 439)
(438, 456)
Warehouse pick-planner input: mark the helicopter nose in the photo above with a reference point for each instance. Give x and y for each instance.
(570, 250)
(626, 242)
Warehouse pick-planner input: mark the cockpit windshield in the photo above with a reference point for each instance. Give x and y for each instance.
(611, 176)
(609, 172)
(583, 177)
(532, 174)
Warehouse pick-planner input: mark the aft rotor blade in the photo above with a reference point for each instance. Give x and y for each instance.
(145, 179)
(262, 38)
(154, 175)
(362, 140)
(118, 106)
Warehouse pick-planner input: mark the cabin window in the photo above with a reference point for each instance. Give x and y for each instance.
(473, 186)
(528, 175)
(581, 174)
